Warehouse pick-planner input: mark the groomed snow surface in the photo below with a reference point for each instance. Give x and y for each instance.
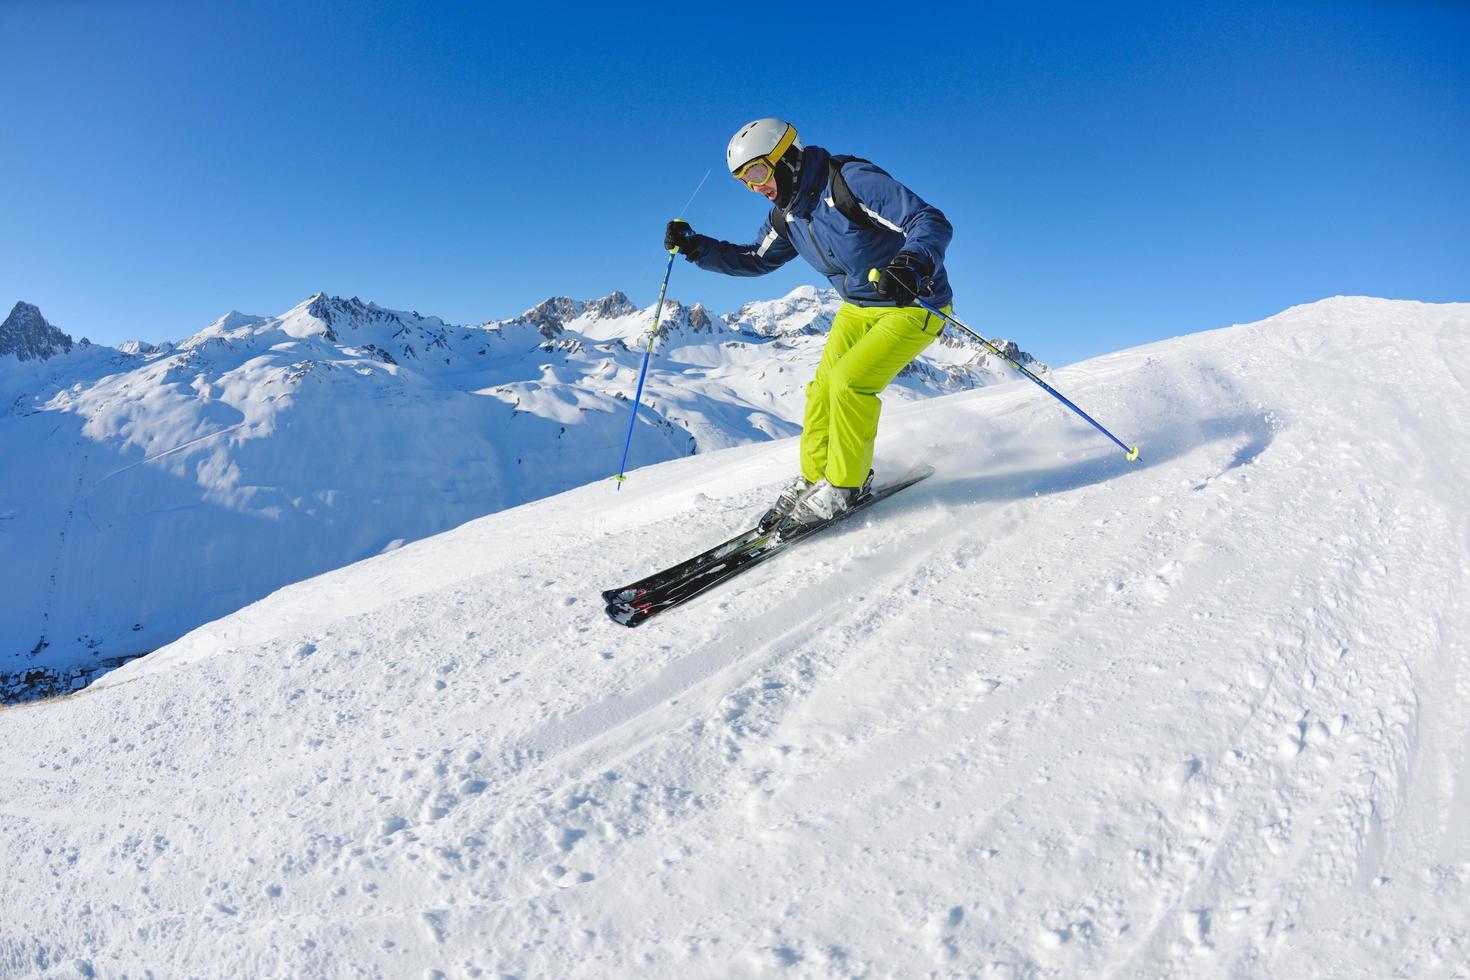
(1048, 714)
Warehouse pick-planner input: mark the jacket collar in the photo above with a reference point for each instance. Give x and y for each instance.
(813, 180)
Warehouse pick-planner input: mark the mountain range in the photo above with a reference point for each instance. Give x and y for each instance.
(150, 488)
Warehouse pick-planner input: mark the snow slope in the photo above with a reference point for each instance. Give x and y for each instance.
(149, 490)
(1048, 714)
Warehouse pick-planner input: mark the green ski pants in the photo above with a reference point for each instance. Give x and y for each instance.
(866, 349)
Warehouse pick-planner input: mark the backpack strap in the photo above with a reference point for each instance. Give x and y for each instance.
(843, 199)
(778, 222)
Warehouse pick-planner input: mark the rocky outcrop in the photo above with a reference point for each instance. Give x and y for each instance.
(27, 335)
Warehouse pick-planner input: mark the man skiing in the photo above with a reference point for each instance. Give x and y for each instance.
(845, 216)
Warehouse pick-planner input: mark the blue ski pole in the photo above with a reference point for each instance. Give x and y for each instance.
(658, 312)
(1131, 451)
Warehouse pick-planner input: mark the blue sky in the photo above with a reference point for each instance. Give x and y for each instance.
(1116, 173)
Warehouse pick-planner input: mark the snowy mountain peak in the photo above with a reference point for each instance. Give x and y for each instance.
(27, 334)
(614, 304)
(551, 316)
(141, 348)
(804, 310)
(680, 319)
(337, 319)
(234, 320)
(334, 310)
(336, 313)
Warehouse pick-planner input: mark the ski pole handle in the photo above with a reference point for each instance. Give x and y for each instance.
(674, 249)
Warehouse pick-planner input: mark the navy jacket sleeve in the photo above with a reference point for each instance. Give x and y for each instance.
(925, 229)
(766, 254)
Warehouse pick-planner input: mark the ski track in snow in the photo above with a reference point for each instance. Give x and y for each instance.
(1044, 715)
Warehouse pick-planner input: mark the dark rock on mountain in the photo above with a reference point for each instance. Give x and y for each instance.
(27, 335)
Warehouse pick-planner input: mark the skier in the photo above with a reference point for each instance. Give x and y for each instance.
(845, 216)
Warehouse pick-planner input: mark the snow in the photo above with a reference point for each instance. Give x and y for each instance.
(1047, 714)
(265, 450)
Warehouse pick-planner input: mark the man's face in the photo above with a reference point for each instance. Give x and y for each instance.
(766, 190)
(767, 187)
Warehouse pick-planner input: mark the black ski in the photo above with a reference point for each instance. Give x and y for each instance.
(634, 590)
(703, 572)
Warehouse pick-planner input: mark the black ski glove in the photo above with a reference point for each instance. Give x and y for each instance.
(901, 281)
(678, 235)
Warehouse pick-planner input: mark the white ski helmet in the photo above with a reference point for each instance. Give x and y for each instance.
(762, 141)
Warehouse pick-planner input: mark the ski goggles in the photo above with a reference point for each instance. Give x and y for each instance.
(755, 173)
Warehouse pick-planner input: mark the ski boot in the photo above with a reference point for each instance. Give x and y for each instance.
(785, 504)
(824, 502)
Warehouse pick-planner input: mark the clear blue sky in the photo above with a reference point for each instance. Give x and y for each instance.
(1116, 173)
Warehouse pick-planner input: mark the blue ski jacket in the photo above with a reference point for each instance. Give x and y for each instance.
(837, 247)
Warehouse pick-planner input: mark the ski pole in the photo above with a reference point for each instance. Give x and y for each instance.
(1131, 451)
(658, 312)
